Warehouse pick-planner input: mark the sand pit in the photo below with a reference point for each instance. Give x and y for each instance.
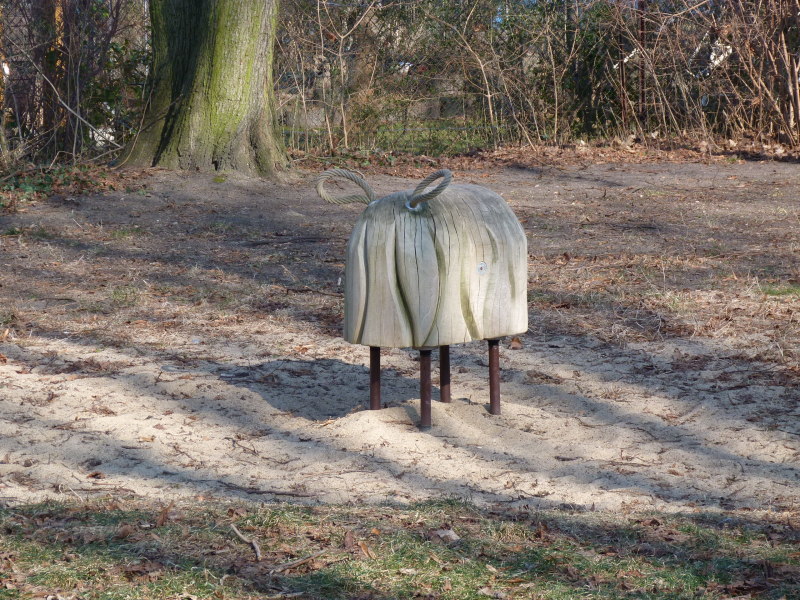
(167, 342)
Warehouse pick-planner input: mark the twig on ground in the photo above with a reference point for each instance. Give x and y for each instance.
(255, 490)
(253, 543)
(584, 423)
(74, 493)
(237, 444)
(296, 563)
(308, 290)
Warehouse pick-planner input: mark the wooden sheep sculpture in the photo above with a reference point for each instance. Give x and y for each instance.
(431, 268)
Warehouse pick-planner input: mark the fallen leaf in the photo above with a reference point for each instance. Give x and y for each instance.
(375, 531)
(516, 343)
(444, 535)
(408, 571)
(143, 572)
(125, 530)
(90, 538)
(644, 549)
(237, 511)
(163, 516)
(541, 531)
(492, 593)
(366, 550)
(349, 540)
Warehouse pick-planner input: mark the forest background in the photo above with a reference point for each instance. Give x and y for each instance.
(384, 78)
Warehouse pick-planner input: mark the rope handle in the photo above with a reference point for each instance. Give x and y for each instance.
(351, 176)
(417, 196)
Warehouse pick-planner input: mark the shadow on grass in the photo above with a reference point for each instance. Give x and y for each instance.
(127, 548)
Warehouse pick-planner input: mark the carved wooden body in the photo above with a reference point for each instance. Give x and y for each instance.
(451, 270)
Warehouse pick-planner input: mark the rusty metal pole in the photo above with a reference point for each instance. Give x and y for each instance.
(494, 377)
(444, 373)
(425, 388)
(374, 378)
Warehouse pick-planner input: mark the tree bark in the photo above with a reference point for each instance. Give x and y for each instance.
(45, 40)
(211, 104)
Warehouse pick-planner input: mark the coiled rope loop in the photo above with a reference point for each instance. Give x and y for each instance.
(345, 174)
(417, 196)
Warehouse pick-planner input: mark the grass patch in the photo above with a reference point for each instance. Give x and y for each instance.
(221, 227)
(40, 233)
(124, 296)
(791, 289)
(37, 233)
(108, 549)
(126, 232)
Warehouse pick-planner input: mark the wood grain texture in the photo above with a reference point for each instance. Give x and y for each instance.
(453, 271)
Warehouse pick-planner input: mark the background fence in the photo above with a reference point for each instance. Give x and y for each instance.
(430, 76)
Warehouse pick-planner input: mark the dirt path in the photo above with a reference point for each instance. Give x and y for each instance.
(180, 338)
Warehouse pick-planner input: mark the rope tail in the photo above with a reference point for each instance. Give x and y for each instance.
(418, 197)
(351, 176)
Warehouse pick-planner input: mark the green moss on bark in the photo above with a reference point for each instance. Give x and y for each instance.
(212, 103)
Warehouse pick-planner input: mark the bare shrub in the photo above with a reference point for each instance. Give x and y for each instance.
(429, 76)
(73, 71)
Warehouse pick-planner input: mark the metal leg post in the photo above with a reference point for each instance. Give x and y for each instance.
(425, 388)
(374, 378)
(444, 373)
(494, 377)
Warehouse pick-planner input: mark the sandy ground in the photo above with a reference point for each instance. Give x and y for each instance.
(178, 337)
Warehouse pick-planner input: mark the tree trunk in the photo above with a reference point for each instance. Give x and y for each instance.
(45, 40)
(211, 105)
